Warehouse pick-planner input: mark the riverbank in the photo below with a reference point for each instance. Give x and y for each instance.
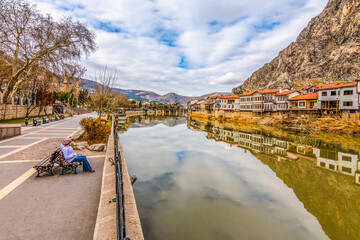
(335, 124)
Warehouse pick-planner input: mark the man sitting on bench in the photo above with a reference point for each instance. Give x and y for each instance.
(71, 156)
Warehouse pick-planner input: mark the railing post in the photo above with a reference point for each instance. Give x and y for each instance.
(120, 207)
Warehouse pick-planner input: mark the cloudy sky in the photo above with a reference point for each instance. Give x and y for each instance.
(191, 47)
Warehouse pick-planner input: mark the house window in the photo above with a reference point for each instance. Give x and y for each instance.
(348, 92)
(346, 158)
(301, 104)
(322, 164)
(346, 169)
(333, 93)
(347, 104)
(294, 104)
(332, 166)
(324, 94)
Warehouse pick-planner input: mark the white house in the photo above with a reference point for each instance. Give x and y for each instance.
(269, 98)
(257, 99)
(230, 102)
(245, 101)
(281, 99)
(338, 97)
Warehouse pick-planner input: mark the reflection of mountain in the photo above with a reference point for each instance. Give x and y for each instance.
(150, 121)
(331, 197)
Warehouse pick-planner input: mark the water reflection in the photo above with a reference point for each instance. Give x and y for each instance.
(299, 161)
(283, 149)
(220, 181)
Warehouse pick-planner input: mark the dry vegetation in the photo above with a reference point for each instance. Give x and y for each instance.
(95, 131)
(335, 124)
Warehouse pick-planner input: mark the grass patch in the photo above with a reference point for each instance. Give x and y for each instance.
(22, 120)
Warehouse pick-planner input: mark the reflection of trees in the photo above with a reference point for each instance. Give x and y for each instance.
(332, 198)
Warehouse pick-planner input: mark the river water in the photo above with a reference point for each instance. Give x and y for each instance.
(211, 180)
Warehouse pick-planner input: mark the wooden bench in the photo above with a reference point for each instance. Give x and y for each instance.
(46, 165)
(71, 166)
(36, 122)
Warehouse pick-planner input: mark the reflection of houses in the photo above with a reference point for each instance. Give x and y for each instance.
(344, 163)
(263, 144)
(226, 135)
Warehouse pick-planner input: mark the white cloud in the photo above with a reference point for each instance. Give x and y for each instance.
(188, 47)
(228, 78)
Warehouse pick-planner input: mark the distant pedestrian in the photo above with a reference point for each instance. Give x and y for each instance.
(71, 156)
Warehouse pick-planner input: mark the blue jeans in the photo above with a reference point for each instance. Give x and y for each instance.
(83, 159)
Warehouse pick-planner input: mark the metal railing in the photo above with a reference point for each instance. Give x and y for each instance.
(119, 184)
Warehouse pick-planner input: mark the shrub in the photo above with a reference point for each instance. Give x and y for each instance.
(95, 131)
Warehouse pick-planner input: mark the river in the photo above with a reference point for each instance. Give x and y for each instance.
(212, 180)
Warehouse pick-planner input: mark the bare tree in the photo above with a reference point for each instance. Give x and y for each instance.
(101, 100)
(118, 101)
(29, 38)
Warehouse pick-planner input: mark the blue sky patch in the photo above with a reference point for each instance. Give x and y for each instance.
(107, 27)
(183, 63)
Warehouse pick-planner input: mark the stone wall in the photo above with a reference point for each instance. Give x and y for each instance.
(9, 130)
(9, 111)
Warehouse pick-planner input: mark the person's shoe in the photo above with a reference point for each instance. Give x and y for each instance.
(92, 170)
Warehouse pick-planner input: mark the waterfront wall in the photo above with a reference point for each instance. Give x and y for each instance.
(105, 227)
(9, 130)
(9, 111)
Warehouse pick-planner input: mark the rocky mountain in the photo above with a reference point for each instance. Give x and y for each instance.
(328, 49)
(140, 95)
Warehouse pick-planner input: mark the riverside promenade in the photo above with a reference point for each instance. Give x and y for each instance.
(49, 207)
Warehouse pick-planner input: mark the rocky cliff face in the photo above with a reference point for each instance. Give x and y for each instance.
(327, 49)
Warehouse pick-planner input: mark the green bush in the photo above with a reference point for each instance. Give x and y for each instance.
(95, 131)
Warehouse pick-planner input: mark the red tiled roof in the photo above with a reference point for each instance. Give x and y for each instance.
(309, 96)
(332, 86)
(248, 93)
(270, 90)
(229, 96)
(286, 92)
(213, 97)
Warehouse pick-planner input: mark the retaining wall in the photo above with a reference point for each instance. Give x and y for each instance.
(105, 227)
(9, 111)
(9, 130)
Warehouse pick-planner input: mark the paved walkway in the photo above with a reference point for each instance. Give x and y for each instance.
(49, 207)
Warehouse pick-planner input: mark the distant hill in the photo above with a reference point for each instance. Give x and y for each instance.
(141, 95)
